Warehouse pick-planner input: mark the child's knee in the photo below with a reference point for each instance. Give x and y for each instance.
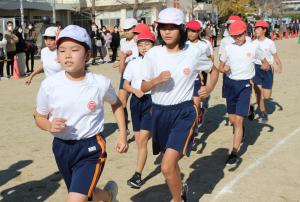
(167, 169)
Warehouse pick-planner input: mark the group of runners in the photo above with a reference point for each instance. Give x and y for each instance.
(169, 75)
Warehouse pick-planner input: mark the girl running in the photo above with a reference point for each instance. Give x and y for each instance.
(49, 64)
(140, 105)
(70, 105)
(263, 80)
(237, 62)
(170, 72)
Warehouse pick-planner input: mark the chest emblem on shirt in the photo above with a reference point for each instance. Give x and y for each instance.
(249, 55)
(186, 71)
(92, 105)
(266, 49)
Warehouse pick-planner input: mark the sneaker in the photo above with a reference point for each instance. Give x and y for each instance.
(232, 160)
(101, 61)
(112, 188)
(263, 117)
(251, 114)
(135, 181)
(185, 191)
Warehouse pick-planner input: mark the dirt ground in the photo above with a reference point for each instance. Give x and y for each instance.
(269, 170)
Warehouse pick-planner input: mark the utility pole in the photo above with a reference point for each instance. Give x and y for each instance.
(22, 13)
(53, 12)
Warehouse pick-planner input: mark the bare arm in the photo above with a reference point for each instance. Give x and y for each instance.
(57, 125)
(223, 68)
(130, 89)
(278, 62)
(36, 71)
(149, 85)
(206, 90)
(121, 143)
(265, 65)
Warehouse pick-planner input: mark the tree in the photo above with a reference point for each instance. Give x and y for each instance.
(135, 6)
(234, 7)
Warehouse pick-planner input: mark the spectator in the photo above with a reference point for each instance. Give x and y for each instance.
(215, 34)
(97, 43)
(30, 38)
(2, 46)
(20, 50)
(10, 48)
(107, 41)
(115, 43)
(250, 30)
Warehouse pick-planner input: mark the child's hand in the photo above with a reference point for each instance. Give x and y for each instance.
(138, 93)
(28, 81)
(278, 69)
(164, 76)
(226, 69)
(57, 125)
(204, 91)
(122, 144)
(128, 53)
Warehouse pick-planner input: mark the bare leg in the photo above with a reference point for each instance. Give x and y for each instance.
(171, 172)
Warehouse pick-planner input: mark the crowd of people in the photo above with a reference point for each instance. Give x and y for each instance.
(169, 72)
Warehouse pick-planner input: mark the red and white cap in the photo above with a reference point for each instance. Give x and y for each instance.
(170, 16)
(236, 28)
(261, 23)
(193, 25)
(146, 36)
(233, 18)
(141, 28)
(76, 33)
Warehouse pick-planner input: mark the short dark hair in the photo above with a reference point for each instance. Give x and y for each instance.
(9, 22)
(182, 32)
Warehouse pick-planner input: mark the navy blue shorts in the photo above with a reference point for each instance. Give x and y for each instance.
(80, 162)
(197, 86)
(173, 127)
(140, 112)
(263, 78)
(237, 94)
(121, 82)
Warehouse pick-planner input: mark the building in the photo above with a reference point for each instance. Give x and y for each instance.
(34, 10)
(291, 7)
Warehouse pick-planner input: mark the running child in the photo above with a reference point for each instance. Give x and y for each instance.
(140, 105)
(170, 72)
(128, 51)
(194, 30)
(49, 64)
(70, 105)
(237, 62)
(263, 80)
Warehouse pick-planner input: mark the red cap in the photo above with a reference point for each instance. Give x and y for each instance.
(261, 23)
(141, 28)
(146, 35)
(193, 25)
(236, 28)
(233, 18)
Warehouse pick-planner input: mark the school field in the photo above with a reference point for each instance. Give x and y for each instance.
(269, 170)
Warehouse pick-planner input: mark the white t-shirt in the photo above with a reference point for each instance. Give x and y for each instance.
(211, 49)
(241, 60)
(129, 45)
(133, 71)
(227, 41)
(49, 62)
(205, 52)
(268, 46)
(81, 103)
(184, 67)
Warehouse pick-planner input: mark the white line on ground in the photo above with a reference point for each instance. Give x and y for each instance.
(228, 187)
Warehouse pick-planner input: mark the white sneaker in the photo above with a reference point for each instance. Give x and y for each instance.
(112, 188)
(101, 61)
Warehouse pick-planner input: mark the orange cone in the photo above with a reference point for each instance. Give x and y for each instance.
(273, 36)
(286, 35)
(280, 36)
(16, 73)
